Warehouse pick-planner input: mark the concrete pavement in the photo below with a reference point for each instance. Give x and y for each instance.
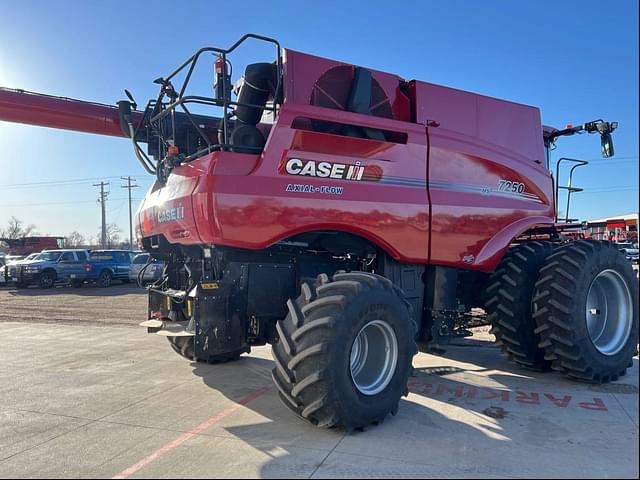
(92, 401)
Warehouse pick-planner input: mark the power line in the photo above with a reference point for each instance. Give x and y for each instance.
(62, 203)
(631, 189)
(615, 159)
(56, 182)
(605, 163)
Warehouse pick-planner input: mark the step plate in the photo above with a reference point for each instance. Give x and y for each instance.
(151, 323)
(177, 333)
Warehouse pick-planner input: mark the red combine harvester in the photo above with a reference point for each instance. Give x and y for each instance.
(345, 216)
(29, 245)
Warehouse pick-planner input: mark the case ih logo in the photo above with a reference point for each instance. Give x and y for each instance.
(170, 214)
(311, 168)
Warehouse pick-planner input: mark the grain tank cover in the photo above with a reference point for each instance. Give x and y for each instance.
(507, 125)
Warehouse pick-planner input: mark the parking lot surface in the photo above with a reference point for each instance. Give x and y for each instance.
(83, 394)
(120, 304)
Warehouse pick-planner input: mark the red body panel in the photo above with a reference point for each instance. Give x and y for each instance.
(463, 176)
(462, 218)
(242, 200)
(475, 143)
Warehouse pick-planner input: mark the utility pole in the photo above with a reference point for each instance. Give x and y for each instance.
(103, 200)
(129, 186)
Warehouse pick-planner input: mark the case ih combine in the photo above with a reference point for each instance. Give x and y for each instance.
(28, 245)
(345, 216)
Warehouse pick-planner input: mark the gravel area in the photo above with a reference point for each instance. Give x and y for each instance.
(118, 305)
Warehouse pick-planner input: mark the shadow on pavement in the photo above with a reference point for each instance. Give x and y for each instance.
(466, 417)
(87, 290)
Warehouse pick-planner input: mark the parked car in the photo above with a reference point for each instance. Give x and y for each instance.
(104, 266)
(49, 267)
(630, 251)
(152, 272)
(11, 264)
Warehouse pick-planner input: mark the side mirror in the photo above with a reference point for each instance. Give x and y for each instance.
(606, 129)
(606, 143)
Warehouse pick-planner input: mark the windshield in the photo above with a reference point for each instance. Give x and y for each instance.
(625, 245)
(49, 256)
(33, 256)
(141, 259)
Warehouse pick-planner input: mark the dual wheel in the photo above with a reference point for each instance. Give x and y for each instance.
(573, 308)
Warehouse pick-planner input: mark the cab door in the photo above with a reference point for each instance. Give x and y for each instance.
(122, 265)
(69, 266)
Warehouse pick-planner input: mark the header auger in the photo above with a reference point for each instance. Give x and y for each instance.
(345, 215)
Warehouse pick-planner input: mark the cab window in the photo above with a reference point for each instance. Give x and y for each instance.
(67, 257)
(123, 257)
(102, 256)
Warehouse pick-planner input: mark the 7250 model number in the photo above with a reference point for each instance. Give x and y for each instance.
(509, 186)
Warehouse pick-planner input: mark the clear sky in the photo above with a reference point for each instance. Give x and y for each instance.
(576, 60)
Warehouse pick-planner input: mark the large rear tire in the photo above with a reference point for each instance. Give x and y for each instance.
(586, 308)
(508, 305)
(344, 351)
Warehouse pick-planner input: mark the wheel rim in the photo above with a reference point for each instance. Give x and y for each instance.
(47, 280)
(104, 280)
(374, 356)
(609, 312)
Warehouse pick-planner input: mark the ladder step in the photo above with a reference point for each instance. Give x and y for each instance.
(171, 292)
(151, 323)
(175, 333)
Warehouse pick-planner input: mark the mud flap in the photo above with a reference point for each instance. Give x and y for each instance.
(220, 324)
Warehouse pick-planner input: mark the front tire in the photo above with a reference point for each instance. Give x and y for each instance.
(586, 308)
(47, 279)
(344, 351)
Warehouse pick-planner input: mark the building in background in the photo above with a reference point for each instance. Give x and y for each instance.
(622, 228)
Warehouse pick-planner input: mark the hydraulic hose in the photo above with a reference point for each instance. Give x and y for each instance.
(140, 155)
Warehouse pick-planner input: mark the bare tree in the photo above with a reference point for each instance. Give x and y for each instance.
(74, 239)
(15, 229)
(113, 235)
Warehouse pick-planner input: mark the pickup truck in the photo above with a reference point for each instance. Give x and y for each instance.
(104, 266)
(630, 251)
(49, 267)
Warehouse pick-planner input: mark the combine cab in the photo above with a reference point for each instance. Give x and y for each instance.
(347, 216)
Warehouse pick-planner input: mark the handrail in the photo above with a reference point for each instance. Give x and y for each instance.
(179, 99)
(569, 188)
